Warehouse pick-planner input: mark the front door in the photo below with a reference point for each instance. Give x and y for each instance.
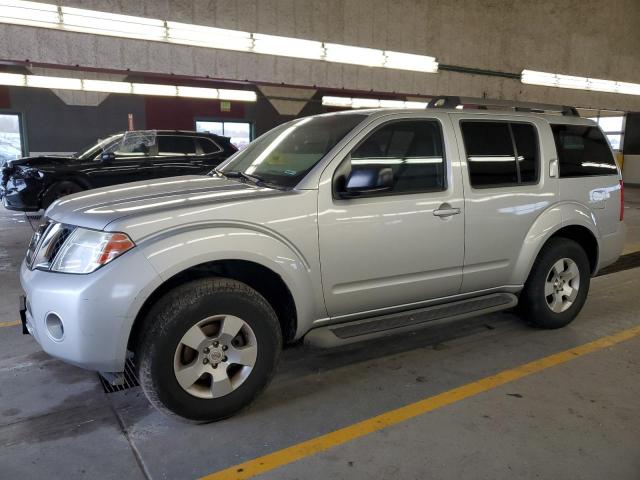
(401, 247)
(130, 161)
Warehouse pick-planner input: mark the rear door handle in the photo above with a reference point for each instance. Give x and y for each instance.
(446, 210)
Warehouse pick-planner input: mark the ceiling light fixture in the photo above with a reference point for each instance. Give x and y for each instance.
(579, 83)
(107, 86)
(46, 15)
(347, 102)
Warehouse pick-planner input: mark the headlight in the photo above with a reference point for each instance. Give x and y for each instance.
(87, 250)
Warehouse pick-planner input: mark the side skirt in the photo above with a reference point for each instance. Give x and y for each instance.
(384, 325)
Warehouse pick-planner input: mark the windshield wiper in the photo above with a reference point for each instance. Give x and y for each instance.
(260, 182)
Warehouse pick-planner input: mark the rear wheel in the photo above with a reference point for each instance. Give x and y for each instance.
(557, 286)
(59, 190)
(209, 347)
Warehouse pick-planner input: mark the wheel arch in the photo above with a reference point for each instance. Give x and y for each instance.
(259, 277)
(78, 180)
(569, 221)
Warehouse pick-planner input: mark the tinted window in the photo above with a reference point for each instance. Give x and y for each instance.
(490, 156)
(207, 146)
(583, 151)
(526, 140)
(175, 145)
(413, 151)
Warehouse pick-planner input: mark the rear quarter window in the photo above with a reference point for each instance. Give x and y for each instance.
(583, 151)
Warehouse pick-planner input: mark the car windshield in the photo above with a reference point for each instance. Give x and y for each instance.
(96, 148)
(284, 155)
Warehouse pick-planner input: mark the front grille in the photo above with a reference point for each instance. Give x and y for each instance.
(46, 243)
(35, 242)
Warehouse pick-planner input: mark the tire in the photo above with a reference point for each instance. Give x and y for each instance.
(59, 190)
(213, 307)
(547, 303)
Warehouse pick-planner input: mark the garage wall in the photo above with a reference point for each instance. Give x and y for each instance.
(564, 37)
(53, 126)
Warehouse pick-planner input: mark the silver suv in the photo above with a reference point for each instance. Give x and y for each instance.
(333, 228)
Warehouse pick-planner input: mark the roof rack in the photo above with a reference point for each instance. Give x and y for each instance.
(447, 101)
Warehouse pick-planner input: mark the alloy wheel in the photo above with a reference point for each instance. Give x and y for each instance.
(215, 356)
(562, 285)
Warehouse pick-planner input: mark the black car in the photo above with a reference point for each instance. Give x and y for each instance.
(33, 183)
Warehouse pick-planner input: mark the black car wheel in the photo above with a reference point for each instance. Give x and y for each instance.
(207, 349)
(557, 286)
(59, 190)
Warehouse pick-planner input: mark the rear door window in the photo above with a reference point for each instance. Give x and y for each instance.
(171, 146)
(583, 151)
(207, 146)
(500, 153)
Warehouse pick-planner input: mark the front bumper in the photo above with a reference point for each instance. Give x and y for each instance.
(24, 199)
(97, 310)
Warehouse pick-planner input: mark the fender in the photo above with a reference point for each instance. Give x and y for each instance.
(549, 222)
(173, 252)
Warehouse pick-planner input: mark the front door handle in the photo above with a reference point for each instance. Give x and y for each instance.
(446, 210)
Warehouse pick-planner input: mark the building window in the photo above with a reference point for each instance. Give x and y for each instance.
(238, 132)
(613, 128)
(11, 141)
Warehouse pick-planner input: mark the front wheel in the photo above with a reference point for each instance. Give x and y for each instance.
(59, 190)
(209, 347)
(557, 286)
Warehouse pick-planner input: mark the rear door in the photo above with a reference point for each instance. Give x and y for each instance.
(210, 154)
(507, 186)
(174, 155)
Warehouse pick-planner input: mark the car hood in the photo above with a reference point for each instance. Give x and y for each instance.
(38, 161)
(98, 208)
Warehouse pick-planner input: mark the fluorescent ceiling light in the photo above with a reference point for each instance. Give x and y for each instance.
(106, 86)
(103, 23)
(197, 92)
(41, 81)
(336, 101)
(201, 36)
(29, 13)
(409, 104)
(12, 79)
(92, 21)
(365, 103)
(409, 61)
(579, 83)
(287, 47)
(346, 102)
(368, 57)
(392, 103)
(239, 95)
(154, 89)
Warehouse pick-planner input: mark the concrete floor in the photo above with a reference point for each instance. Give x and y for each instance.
(579, 420)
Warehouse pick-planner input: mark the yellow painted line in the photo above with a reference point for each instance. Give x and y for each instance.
(333, 439)
(10, 324)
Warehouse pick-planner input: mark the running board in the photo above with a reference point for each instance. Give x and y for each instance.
(359, 330)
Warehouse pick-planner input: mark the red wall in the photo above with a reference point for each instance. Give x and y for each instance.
(170, 113)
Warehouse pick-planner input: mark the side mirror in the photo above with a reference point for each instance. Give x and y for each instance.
(367, 180)
(107, 157)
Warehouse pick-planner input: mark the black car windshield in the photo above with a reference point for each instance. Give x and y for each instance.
(284, 155)
(92, 151)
